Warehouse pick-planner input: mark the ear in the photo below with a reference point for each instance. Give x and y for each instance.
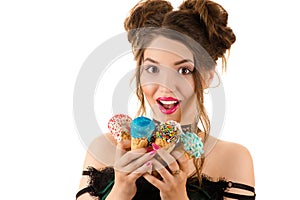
(209, 76)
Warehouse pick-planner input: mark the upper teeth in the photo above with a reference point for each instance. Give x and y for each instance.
(168, 102)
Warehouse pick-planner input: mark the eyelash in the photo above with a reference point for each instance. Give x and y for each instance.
(150, 69)
(185, 68)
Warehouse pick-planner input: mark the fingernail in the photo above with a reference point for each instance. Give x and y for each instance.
(148, 149)
(148, 163)
(151, 153)
(155, 146)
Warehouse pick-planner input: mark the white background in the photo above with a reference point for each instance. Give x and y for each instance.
(44, 43)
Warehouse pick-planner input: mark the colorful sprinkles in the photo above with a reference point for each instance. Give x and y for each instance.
(168, 131)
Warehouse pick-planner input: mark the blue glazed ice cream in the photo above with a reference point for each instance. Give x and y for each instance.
(141, 130)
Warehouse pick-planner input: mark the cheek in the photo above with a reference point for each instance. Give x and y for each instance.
(149, 91)
(188, 89)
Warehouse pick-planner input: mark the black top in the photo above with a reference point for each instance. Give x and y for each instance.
(102, 181)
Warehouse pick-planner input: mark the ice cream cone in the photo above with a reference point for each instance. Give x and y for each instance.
(141, 129)
(167, 134)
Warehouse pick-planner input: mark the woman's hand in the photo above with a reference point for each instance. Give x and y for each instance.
(173, 183)
(129, 166)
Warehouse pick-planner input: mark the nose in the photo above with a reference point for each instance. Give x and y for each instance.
(167, 84)
(168, 81)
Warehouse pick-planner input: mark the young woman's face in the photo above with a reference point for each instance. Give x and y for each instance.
(167, 80)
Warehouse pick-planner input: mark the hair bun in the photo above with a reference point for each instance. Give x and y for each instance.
(146, 14)
(215, 18)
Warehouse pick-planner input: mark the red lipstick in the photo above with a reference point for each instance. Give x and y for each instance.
(168, 105)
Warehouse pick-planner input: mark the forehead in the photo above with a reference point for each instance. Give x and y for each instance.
(170, 47)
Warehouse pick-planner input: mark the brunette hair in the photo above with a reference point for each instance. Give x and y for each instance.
(201, 25)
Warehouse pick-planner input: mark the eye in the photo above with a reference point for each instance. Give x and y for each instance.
(152, 69)
(184, 71)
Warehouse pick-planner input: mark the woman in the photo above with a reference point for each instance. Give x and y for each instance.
(176, 53)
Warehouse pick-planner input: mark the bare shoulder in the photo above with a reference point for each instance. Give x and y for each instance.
(234, 161)
(100, 152)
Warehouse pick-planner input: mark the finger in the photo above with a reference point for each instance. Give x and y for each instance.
(153, 180)
(157, 165)
(145, 168)
(137, 163)
(124, 144)
(121, 148)
(182, 160)
(166, 157)
(161, 169)
(170, 161)
(129, 157)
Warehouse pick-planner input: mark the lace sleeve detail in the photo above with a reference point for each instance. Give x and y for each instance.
(240, 196)
(100, 182)
(218, 189)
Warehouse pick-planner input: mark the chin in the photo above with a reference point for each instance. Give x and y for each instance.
(162, 116)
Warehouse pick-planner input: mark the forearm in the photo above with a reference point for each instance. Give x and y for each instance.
(183, 196)
(118, 194)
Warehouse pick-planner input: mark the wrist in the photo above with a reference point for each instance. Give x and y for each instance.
(117, 193)
(177, 198)
(182, 196)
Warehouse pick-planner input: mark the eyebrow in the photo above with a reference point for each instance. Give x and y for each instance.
(183, 61)
(176, 63)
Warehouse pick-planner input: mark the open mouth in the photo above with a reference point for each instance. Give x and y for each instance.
(168, 105)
